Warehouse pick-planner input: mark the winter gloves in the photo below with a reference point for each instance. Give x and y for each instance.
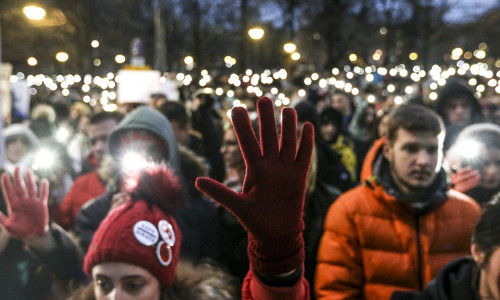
(270, 207)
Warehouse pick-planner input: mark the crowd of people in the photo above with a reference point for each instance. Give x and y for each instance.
(330, 198)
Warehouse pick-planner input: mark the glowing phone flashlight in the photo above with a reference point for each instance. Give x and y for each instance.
(470, 151)
(133, 161)
(44, 159)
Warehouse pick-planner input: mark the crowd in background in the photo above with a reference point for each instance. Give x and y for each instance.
(79, 150)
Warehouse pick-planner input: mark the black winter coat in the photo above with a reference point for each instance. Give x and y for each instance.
(197, 221)
(458, 280)
(26, 274)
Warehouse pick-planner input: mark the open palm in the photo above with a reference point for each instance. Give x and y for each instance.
(27, 211)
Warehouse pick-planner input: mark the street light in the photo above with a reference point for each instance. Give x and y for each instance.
(256, 33)
(120, 58)
(94, 43)
(289, 47)
(295, 56)
(32, 61)
(188, 60)
(62, 56)
(34, 12)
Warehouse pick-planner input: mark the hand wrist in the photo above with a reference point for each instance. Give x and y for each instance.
(41, 243)
(276, 256)
(281, 280)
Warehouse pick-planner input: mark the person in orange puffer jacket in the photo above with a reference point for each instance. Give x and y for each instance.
(403, 224)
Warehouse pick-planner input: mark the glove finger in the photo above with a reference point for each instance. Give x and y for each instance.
(44, 191)
(219, 193)
(246, 137)
(268, 132)
(306, 145)
(288, 135)
(8, 192)
(20, 187)
(30, 180)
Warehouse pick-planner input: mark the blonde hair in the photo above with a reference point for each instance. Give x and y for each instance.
(43, 111)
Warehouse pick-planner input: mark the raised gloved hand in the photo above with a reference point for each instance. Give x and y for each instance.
(270, 207)
(28, 215)
(465, 179)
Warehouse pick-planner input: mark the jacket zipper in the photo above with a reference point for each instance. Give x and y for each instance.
(419, 256)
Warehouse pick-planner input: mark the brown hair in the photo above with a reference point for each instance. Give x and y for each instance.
(486, 235)
(192, 282)
(414, 118)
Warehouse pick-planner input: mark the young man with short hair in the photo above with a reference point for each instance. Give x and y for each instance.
(402, 225)
(90, 183)
(100, 127)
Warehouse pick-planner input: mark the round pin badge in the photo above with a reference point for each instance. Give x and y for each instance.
(146, 233)
(167, 232)
(164, 253)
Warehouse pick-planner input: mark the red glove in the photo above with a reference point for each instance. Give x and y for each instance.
(270, 207)
(465, 179)
(28, 215)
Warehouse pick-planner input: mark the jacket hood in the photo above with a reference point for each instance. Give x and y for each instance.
(357, 130)
(15, 130)
(151, 120)
(454, 89)
(376, 174)
(456, 281)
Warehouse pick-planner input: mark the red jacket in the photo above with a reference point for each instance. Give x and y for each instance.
(373, 245)
(86, 187)
(254, 289)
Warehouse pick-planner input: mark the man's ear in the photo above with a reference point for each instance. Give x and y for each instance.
(477, 254)
(387, 150)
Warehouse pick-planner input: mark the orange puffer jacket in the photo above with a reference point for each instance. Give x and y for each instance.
(373, 245)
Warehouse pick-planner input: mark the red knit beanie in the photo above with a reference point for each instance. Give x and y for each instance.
(140, 233)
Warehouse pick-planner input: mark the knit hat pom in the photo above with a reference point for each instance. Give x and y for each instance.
(158, 185)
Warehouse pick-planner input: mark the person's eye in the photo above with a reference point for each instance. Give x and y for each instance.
(133, 286)
(104, 285)
(432, 150)
(411, 148)
(230, 143)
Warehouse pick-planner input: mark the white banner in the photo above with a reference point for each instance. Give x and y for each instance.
(20, 98)
(137, 86)
(170, 89)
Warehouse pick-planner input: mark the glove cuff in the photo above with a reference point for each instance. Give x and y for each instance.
(276, 256)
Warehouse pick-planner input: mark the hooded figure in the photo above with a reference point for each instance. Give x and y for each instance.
(148, 133)
(458, 107)
(143, 124)
(478, 147)
(150, 120)
(20, 143)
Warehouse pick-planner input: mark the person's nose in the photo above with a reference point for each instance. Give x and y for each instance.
(423, 158)
(459, 109)
(100, 145)
(111, 295)
(117, 294)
